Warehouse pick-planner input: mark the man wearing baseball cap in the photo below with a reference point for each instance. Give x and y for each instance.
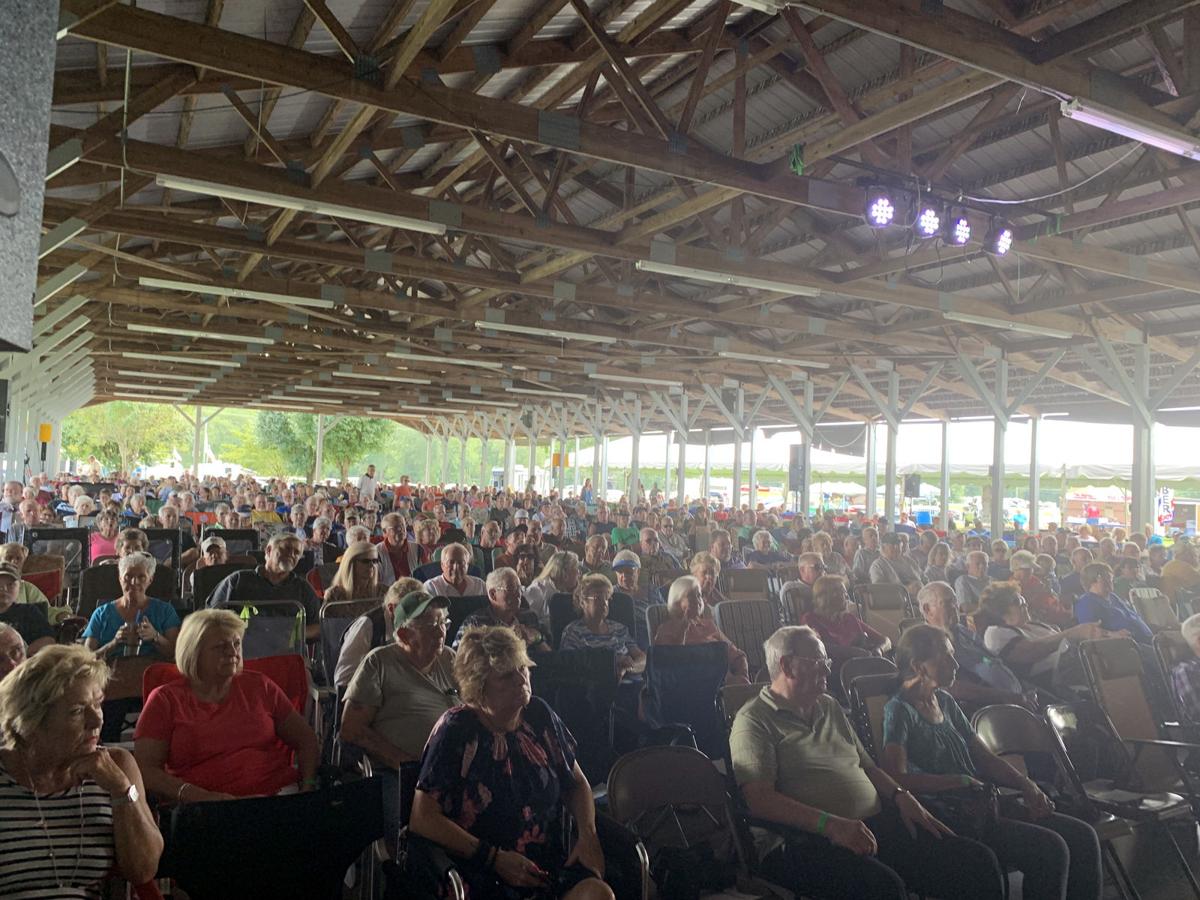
(400, 691)
(29, 620)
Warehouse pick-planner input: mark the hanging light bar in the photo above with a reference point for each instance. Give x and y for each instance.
(544, 332)
(762, 284)
(1022, 327)
(217, 290)
(537, 392)
(246, 195)
(370, 376)
(197, 333)
(447, 360)
(1172, 140)
(634, 379)
(166, 377)
(181, 360)
(773, 360)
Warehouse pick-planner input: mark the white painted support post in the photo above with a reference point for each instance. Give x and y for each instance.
(945, 475)
(999, 429)
(739, 412)
(319, 450)
(428, 455)
(872, 471)
(889, 464)
(577, 483)
(706, 479)
(681, 468)
(445, 438)
(462, 456)
(666, 487)
(806, 452)
(484, 473)
(602, 487)
(1035, 478)
(752, 470)
(532, 459)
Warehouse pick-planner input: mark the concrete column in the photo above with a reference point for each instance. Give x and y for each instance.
(510, 458)
(889, 464)
(1143, 481)
(319, 450)
(872, 473)
(578, 483)
(1035, 483)
(428, 455)
(532, 459)
(945, 474)
(706, 479)
(445, 457)
(999, 428)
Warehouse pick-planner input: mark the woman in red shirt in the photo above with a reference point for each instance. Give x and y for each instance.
(220, 732)
(840, 629)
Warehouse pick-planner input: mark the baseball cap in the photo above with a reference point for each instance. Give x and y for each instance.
(412, 604)
(520, 514)
(1022, 559)
(213, 541)
(10, 570)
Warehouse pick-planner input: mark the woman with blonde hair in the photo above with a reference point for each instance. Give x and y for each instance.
(689, 623)
(357, 577)
(221, 732)
(495, 777)
(560, 575)
(706, 569)
(70, 809)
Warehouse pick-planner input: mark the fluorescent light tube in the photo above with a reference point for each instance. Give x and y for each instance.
(132, 396)
(547, 393)
(182, 360)
(635, 379)
(366, 392)
(373, 377)
(305, 399)
(545, 332)
(197, 333)
(447, 360)
(1179, 409)
(776, 360)
(278, 406)
(764, 284)
(165, 377)
(475, 401)
(1113, 120)
(166, 388)
(1022, 327)
(282, 201)
(217, 290)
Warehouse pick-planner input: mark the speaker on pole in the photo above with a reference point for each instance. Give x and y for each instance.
(796, 468)
(912, 486)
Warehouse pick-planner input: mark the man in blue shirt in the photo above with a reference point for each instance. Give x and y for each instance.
(1101, 604)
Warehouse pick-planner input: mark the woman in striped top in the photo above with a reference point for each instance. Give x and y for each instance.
(71, 811)
(595, 629)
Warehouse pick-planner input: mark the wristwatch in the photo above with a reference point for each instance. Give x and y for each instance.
(129, 795)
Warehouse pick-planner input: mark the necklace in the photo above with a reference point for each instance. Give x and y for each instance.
(50, 844)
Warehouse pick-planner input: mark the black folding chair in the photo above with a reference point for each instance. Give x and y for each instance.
(581, 686)
(681, 689)
(293, 846)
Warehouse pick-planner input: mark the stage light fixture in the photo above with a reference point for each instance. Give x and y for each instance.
(956, 229)
(880, 208)
(927, 223)
(999, 239)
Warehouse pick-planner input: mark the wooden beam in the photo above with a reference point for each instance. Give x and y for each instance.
(336, 29)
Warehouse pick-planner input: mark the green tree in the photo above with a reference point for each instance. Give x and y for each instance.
(351, 440)
(122, 435)
(294, 436)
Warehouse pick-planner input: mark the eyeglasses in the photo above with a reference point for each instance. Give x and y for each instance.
(364, 561)
(440, 623)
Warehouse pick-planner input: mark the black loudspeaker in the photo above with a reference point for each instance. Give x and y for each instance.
(912, 486)
(796, 468)
(3, 414)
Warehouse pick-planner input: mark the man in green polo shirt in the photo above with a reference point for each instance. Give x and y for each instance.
(799, 762)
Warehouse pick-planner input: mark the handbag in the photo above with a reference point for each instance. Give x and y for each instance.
(971, 811)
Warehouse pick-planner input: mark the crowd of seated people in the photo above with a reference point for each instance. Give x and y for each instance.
(1002, 625)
